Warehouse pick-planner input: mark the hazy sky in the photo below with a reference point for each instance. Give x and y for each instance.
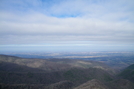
(67, 25)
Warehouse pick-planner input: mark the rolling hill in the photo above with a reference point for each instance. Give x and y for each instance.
(20, 73)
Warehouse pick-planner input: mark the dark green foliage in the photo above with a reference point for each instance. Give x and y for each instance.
(61, 85)
(30, 78)
(107, 78)
(22, 86)
(120, 84)
(75, 75)
(83, 75)
(128, 73)
(30, 75)
(131, 67)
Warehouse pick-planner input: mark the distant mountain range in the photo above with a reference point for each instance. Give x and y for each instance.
(116, 60)
(54, 73)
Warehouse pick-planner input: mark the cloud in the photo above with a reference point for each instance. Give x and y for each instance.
(40, 21)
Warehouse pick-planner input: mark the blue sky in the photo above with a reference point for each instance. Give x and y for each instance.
(75, 24)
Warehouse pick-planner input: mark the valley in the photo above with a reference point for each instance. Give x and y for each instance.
(98, 71)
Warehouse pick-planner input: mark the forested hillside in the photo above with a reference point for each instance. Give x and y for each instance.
(21, 73)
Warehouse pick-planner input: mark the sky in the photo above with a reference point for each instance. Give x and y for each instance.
(66, 25)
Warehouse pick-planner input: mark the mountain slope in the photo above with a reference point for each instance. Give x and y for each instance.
(35, 63)
(58, 85)
(93, 84)
(12, 67)
(84, 64)
(59, 74)
(128, 73)
(83, 75)
(15, 70)
(120, 84)
(55, 64)
(35, 76)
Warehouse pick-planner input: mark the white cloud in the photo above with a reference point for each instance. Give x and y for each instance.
(98, 21)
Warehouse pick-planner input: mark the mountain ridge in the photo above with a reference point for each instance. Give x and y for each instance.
(57, 74)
